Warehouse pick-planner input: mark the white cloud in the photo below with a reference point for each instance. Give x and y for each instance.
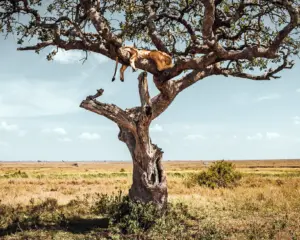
(89, 136)
(4, 126)
(65, 139)
(74, 56)
(58, 131)
(3, 144)
(8, 127)
(20, 97)
(156, 128)
(257, 136)
(269, 97)
(296, 120)
(68, 57)
(272, 135)
(193, 137)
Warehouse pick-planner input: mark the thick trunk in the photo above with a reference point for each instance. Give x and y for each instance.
(149, 183)
(149, 180)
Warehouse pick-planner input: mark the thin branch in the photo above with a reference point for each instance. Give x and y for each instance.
(268, 75)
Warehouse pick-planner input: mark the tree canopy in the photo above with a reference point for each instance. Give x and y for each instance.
(233, 36)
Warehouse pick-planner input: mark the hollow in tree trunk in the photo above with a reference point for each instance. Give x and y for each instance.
(149, 180)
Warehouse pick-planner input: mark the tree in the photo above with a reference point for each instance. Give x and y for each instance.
(250, 39)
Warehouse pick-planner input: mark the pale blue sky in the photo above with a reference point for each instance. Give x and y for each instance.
(217, 118)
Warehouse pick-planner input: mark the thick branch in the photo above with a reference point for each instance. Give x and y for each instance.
(144, 93)
(209, 19)
(168, 91)
(193, 77)
(100, 23)
(294, 21)
(109, 111)
(152, 28)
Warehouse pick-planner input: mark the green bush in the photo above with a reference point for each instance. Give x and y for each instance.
(220, 174)
(18, 174)
(127, 216)
(31, 216)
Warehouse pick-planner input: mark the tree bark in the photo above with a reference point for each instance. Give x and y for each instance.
(149, 181)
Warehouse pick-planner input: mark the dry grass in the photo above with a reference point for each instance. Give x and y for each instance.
(266, 200)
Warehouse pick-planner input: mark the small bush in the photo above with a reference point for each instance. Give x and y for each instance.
(144, 220)
(220, 174)
(31, 216)
(122, 170)
(127, 216)
(18, 174)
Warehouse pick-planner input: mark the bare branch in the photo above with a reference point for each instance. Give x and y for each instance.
(109, 111)
(193, 77)
(209, 19)
(144, 93)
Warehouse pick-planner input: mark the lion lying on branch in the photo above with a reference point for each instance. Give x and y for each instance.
(162, 60)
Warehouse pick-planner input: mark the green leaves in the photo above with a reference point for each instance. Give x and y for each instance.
(220, 174)
(51, 55)
(238, 26)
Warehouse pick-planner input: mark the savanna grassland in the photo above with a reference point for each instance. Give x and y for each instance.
(44, 200)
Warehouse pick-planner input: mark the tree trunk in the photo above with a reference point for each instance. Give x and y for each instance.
(149, 181)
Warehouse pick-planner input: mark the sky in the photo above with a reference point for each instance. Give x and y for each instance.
(217, 118)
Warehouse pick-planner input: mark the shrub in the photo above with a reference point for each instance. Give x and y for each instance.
(220, 174)
(144, 221)
(18, 174)
(127, 216)
(31, 216)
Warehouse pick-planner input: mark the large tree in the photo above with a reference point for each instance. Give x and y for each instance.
(249, 39)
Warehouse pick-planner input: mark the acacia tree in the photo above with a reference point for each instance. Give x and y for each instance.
(249, 39)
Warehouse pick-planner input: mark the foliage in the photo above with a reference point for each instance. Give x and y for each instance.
(31, 216)
(178, 27)
(128, 216)
(17, 174)
(220, 174)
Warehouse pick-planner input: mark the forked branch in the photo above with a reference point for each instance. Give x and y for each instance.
(110, 111)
